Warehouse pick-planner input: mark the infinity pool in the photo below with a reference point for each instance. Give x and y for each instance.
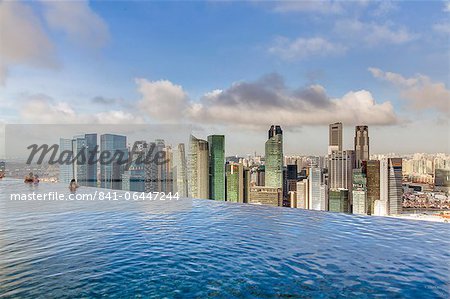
(201, 248)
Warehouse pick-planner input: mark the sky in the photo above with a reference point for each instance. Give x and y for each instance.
(234, 68)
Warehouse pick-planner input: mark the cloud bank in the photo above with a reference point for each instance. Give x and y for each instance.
(25, 40)
(262, 102)
(420, 91)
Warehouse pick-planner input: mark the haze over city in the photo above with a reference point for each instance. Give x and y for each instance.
(234, 68)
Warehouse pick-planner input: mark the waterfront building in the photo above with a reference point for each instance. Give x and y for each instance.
(442, 180)
(112, 145)
(335, 137)
(302, 194)
(339, 201)
(395, 186)
(373, 184)
(198, 168)
(340, 172)
(317, 190)
(216, 145)
(361, 145)
(274, 158)
(235, 182)
(359, 192)
(266, 196)
(66, 173)
(180, 171)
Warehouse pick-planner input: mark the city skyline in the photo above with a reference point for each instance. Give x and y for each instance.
(303, 65)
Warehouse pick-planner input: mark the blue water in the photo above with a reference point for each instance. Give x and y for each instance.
(200, 248)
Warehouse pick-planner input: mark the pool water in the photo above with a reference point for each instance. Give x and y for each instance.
(201, 248)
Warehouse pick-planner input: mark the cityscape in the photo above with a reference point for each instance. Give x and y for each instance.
(225, 149)
(346, 181)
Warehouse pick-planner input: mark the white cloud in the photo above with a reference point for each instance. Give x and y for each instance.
(23, 39)
(419, 90)
(78, 21)
(41, 109)
(266, 101)
(162, 99)
(302, 48)
(372, 33)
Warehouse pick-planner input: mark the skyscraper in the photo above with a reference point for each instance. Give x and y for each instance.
(216, 167)
(340, 172)
(316, 193)
(359, 192)
(391, 191)
(395, 186)
(302, 194)
(361, 145)
(111, 172)
(80, 152)
(339, 201)
(66, 170)
(335, 137)
(180, 184)
(198, 168)
(235, 182)
(274, 158)
(91, 169)
(340, 169)
(265, 196)
(373, 184)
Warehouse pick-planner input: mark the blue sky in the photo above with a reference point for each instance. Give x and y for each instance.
(234, 68)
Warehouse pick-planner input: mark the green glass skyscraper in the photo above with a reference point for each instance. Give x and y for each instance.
(274, 158)
(216, 167)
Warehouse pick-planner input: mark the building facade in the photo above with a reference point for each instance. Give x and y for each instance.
(216, 167)
(274, 158)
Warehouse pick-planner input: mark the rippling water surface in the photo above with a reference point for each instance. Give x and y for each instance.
(200, 248)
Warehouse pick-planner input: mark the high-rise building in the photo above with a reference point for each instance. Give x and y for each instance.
(168, 171)
(235, 182)
(261, 176)
(266, 196)
(359, 192)
(391, 191)
(198, 168)
(133, 178)
(335, 137)
(247, 180)
(442, 180)
(180, 171)
(381, 206)
(340, 169)
(302, 194)
(91, 168)
(66, 173)
(373, 184)
(339, 201)
(274, 158)
(395, 186)
(361, 145)
(115, 146)
(291, 177)
(216, 167)
(340, 172)
(80, 152)
(151, 167)
(317, 190)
